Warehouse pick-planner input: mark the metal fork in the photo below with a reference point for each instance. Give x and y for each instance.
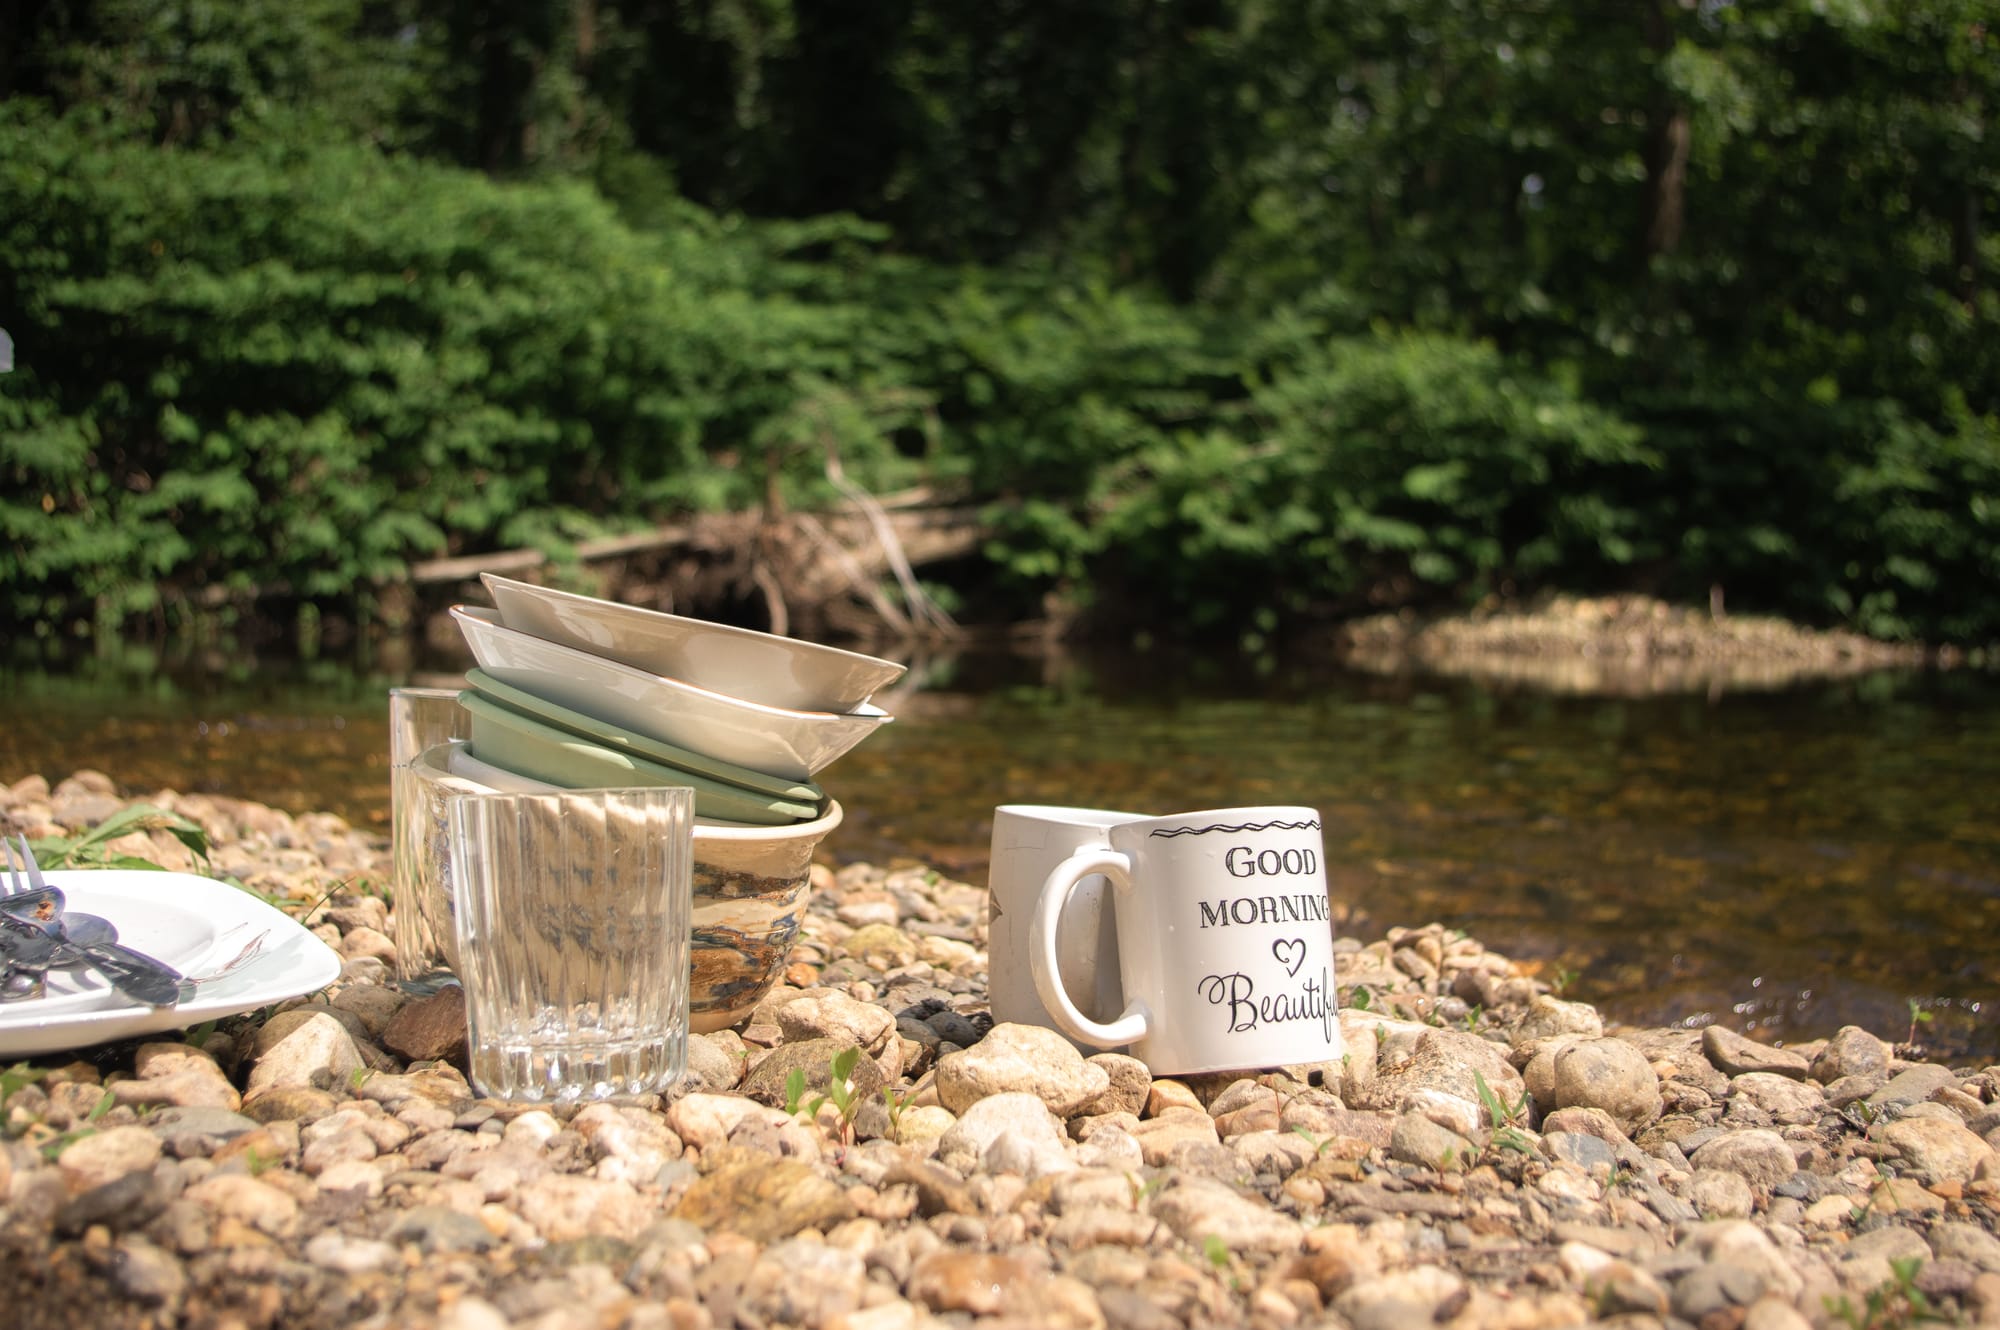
(14, 884)
(132, 973)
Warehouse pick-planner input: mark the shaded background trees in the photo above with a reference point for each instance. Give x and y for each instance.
(1346, 304)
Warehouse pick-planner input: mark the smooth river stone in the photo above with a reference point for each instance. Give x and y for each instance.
(1734, 1054)
(1020, 1059)
(1611, 1075)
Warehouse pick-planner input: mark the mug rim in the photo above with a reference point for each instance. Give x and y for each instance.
(1273, 813)
(1096, 819)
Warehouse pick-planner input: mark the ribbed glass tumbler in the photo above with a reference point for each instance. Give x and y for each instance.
(572, 922)
(419, 718)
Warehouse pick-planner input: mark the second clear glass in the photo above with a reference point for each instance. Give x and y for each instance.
(572, 922)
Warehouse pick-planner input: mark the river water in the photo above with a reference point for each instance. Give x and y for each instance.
(1788, 860)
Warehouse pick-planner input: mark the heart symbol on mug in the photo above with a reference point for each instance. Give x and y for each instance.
(1291, 953)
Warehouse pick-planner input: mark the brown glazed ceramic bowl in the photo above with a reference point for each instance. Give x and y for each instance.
(751, 885)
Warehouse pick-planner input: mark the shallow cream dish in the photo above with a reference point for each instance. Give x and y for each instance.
(773, 740)
(737, 662)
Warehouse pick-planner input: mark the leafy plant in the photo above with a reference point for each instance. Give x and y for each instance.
(894, 1103)
(90, 848)
(840, 1090)
(1919, 1015)
(54, 1147)
(1896, 1303)
(1499, 1111)
(13, 1080)
(1319, 1146)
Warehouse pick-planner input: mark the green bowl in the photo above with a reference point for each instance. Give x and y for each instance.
(534, 748)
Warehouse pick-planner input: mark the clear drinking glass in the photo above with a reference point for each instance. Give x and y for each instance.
(419, 718)
(572, 921)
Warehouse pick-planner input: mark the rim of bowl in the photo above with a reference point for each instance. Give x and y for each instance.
(818, 827)
(489, 618)
(797, 644)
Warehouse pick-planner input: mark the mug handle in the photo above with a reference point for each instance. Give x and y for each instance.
(1046, 964)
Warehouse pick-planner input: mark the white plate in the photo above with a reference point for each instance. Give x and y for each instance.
(773, 740)
(736, 662)
(243, 954)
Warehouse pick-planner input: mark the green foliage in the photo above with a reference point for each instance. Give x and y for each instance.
(1415, 459)
(13, 1080)
(306, 367)
(1895, 1304)
(91, 848)
(1228, 314)
(1499, 1111)
(840, 1090)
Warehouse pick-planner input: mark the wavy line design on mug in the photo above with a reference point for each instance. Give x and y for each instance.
(1169, 833)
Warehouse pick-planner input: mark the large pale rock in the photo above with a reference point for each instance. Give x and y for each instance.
(563, 1208)
(803, 1283)
(1447, 1062)
(1020, 1059)
(1611, 1075)
(764, 1201)
(705, 1121)
(1913, 1086)
(1416, 1139)
(1969, 1243)
(1762, 1157)
(1417, 1296)
(1935, 1149)
(1197, 1209)
(1743, 1245)
(1789, 1102)
(106, 1156)
(1550, 1016)
(317, 1053)
(1160, 1136)
(250, 1201)
(1851, 1052)
(1011, 1288)
(1007, 1132)
(630, 1144)
(828, 1013)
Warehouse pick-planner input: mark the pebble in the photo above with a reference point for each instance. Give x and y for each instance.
(1611, 1075)
(327, 1164)
(1935, 1149)
(1020, 1058)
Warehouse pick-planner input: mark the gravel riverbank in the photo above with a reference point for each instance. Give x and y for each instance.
(326, 1164)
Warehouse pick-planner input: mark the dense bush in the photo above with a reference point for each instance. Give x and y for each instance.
(1218, 312)
(304, 367)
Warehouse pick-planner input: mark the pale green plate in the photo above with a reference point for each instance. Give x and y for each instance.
(622, 740)
(531, 747)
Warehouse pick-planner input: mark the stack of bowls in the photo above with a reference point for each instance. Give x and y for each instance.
(577, 692)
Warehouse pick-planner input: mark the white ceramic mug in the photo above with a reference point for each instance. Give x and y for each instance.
(1029, 840)
(1225, 943)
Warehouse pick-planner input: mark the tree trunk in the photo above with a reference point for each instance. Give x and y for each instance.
(1667, 141)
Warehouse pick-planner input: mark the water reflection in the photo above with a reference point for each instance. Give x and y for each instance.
(1794, 859)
